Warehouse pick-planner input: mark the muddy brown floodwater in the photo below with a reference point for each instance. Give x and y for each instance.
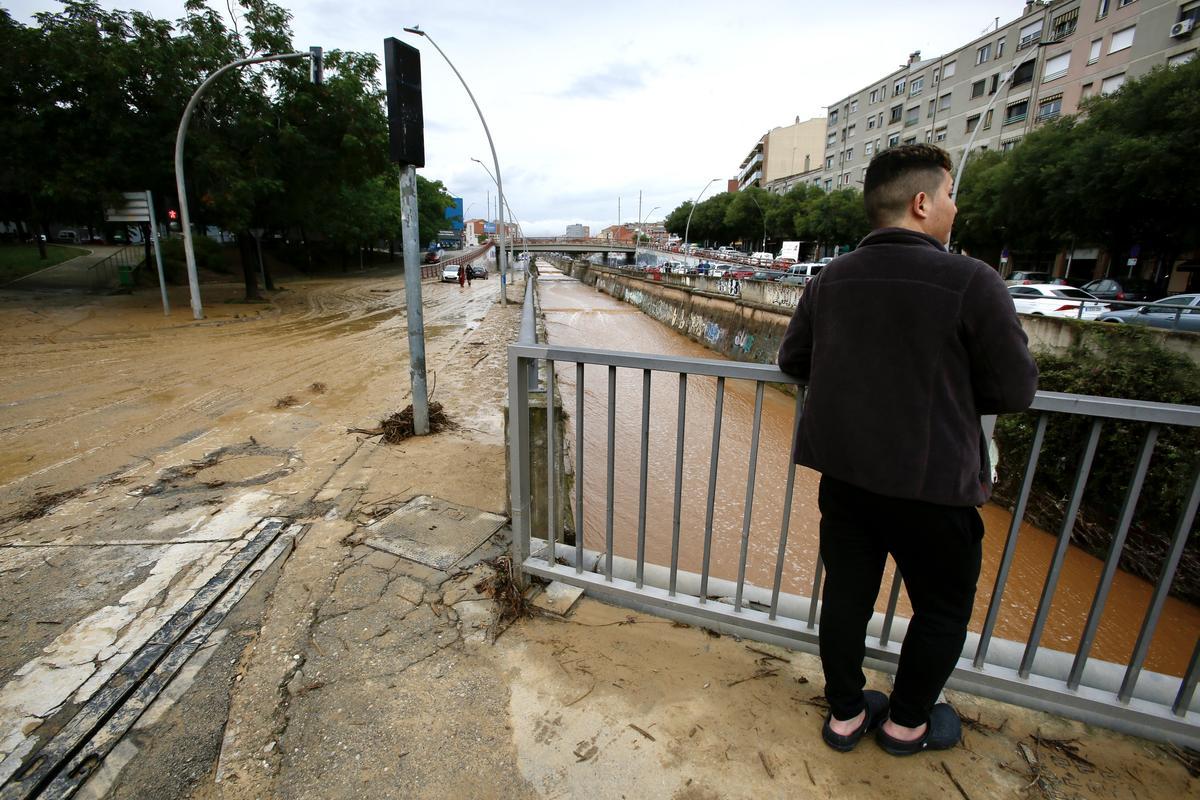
(579, 315)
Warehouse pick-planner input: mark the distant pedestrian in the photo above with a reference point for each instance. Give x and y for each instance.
(904, 346)
(462, 275)
(468, 272)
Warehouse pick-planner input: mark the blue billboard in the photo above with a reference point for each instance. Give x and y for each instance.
(455, 214)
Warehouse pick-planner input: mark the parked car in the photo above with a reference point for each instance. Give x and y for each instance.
(783, 262)
(738, 273)
(802, 273)
(1027, 278)
(68, 236)
(1123, 289)
(1181, 312)
(432, 257)
(1049, 300)
(762, 259)
(450, 273)
(764, 275)
(478, 271)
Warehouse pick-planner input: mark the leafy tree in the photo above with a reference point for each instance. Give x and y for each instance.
(833, 218)
(746, 216)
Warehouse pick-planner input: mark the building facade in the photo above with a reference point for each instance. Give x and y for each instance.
(782, 154)
(1059, 52)
(577, 231)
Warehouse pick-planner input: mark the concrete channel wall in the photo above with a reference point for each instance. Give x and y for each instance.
(745, 320)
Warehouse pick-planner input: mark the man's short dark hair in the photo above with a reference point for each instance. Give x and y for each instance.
(895, 176)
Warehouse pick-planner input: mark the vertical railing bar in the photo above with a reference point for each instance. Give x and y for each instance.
(1060, 550)
(715, 453)
(1010, 545)
(551, 472)
(679, 439)
(787, 508)
(641, 534)
(1187, 688)
(893, 599)
(579, 467)
(759, 386)
(816, 592)
(1162, 588)
(518, 425)
(1112, 560)
(612, 441)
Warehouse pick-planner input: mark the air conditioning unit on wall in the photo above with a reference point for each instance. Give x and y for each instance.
(1182, 28)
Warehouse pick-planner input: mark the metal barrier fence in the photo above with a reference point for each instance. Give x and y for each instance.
(117, 269)
(1125, 696)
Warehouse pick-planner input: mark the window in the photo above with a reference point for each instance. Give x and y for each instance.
(911, 140)
(995, 83)
(828, 184)
(831, 140)
(1094, 53)
(936, 73)
(939, 135)
(850, 130)
(916, 86)
(897, 112)
(828, 162)
(1110, 85)
(972, 123)
(1102, 9)
(868, 148)
(1123, 3)
(987, 119)
(853, 106)
(999, 48)
(1030, 34)
(1122, 39)
(1023, 74)
(1181, 59)
(833, 116)
(1064, 24)
(928, 136)
(912, 116)
(944, 102)
(1049, 108)
(870, 122)
(1016, 112)
(1086, 91)
(1009, 145)
(1057, 67)
(977, 88)
(932, 106)
(948, 70)
(893, 140)
(983, 54)
(898, 88)
(881, 119)
(875, 96)
(850, 154)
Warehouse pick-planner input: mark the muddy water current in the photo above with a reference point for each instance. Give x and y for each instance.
(577, 315)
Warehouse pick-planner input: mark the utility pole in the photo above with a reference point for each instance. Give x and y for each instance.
(402, 75)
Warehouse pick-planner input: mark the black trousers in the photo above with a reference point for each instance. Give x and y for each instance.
(938, 550)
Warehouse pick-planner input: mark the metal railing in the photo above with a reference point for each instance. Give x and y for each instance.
(1122, 696)
(106, 274)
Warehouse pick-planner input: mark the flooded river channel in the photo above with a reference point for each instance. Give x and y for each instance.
(577, 315)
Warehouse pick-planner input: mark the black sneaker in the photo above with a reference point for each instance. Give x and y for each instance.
(877, 706)
(943, 732)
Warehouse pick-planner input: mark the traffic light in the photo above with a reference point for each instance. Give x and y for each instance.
(172, 214)
(317, 67)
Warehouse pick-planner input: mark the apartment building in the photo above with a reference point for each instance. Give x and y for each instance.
(783, 154)
(577, 231)
(1059, 52)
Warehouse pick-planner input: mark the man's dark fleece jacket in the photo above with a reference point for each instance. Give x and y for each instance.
(904, 346)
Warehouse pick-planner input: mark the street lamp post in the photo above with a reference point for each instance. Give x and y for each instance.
(688, 226)
(764, 219)
(503, 259)
(181, 184)
(520, 230)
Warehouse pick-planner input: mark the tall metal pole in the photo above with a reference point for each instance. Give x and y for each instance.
(162, 283)
(412, 297)
(181, 184)
(688, 226)
(503, 257)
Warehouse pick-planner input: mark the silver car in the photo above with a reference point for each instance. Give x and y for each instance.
(1181, 313)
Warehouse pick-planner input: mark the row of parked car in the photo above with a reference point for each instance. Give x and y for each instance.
(782, 270)
(1179, 312)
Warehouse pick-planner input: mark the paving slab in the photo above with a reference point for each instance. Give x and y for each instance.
(433, 532)
(558, 598)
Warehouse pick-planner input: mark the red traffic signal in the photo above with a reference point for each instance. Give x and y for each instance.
(172, 214)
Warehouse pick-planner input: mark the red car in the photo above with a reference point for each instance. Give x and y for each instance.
(738, 273)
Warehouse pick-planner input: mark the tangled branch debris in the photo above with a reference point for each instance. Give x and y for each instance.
(399, 426)
(501, 587)
(40, 506)
(287, 401)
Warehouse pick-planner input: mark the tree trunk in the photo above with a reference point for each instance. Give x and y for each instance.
(268, 281)
(41, 240)
(249, 264)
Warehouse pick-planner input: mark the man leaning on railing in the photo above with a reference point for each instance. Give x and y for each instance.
(904, 346)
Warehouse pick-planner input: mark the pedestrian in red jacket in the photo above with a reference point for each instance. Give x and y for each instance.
(462, 275)
(904, 345)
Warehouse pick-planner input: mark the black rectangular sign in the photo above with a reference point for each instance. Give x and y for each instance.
(406, 122)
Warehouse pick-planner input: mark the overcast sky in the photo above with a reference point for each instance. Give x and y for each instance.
(591, 102)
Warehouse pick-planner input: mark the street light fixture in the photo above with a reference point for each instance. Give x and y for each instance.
(316, 74)
(524, 244)
(764, 219)
(688, 226)
(503, 259)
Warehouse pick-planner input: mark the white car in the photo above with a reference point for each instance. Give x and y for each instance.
(1054, 300)
(450, 273)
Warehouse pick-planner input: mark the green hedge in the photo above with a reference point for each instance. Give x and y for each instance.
(1124, 362)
